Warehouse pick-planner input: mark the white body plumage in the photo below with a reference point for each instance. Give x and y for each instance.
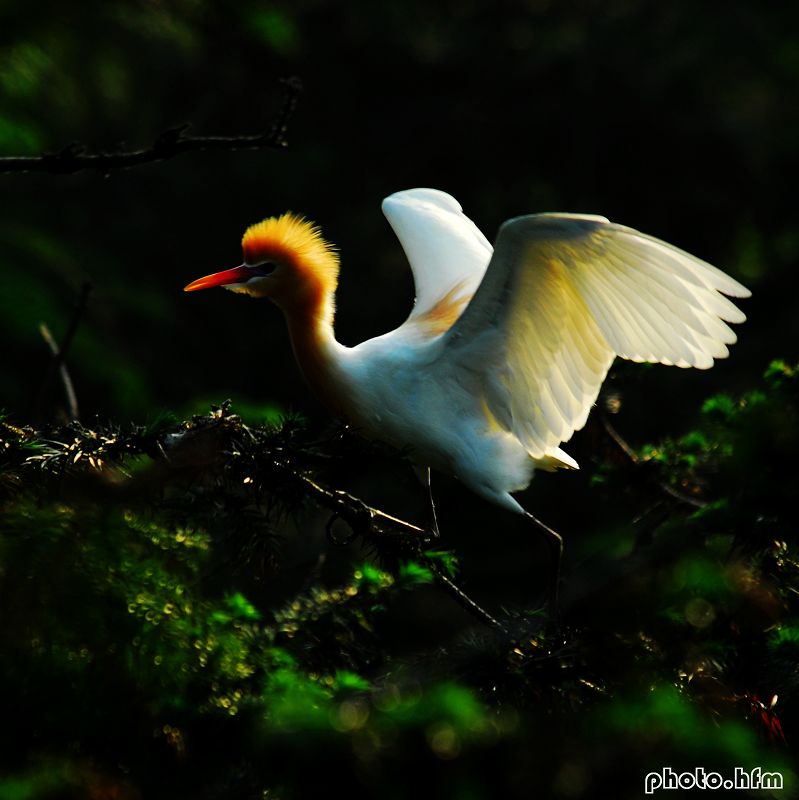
(492, 394)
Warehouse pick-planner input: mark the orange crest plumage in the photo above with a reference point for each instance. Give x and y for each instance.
(294, 240)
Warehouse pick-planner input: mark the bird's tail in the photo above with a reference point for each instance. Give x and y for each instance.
(555, 460)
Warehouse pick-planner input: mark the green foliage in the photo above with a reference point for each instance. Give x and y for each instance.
(445, 559)
(665, 716)
(747, 440)
(412, 573)
(110, 608)
(110, 556)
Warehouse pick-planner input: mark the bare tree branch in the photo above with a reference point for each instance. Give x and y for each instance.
(74, 157)
(464, 601)
(59, 354)
(66, 380)
(635, 461)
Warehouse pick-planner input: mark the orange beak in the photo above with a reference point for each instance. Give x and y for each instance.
(236, 275)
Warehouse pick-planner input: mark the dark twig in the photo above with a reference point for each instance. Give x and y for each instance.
(619, 441)
(66, 380)
(365, 520)
(682, 497)
(464, 601)
(362, 518)
(57, 362)
(636, 462)
(173, 142)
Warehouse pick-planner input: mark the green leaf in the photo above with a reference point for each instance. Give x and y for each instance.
(446, 559)
(412, 573)
(241, 608)
(351, 681)
(721, 405)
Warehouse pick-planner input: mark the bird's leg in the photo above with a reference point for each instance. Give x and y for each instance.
(423, 474)
(555, 542)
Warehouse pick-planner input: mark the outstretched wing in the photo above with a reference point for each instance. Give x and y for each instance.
(447, 252)
(566, 293)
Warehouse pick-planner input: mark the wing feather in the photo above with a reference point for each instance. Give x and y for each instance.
(669, 302)
(563, 295)
(679, 299)
(447, 252)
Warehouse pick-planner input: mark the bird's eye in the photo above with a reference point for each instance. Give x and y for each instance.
(262, 270)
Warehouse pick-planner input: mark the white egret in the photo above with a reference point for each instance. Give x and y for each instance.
(505, 350)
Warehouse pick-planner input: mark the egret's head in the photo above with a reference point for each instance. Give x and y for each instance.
(285, 259)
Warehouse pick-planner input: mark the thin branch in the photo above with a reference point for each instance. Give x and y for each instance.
(464, 601)
(632, 456)
(362, 518)
(74, 157)
(58, 360)
(618, 440)
(66, 380)
(682, 497)
(367, 520)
